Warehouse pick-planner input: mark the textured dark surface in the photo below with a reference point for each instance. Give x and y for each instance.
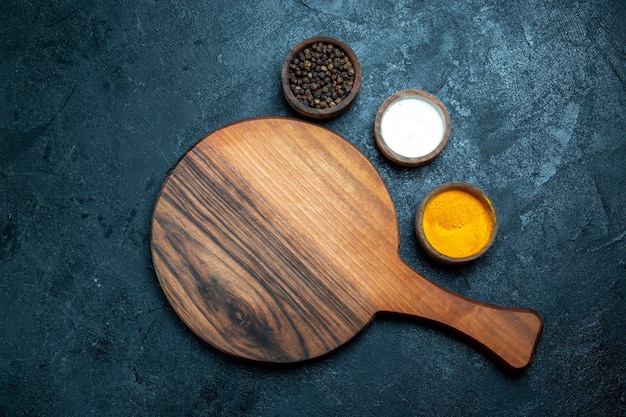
(99, 99)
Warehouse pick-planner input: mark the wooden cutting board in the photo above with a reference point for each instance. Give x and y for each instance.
(276, 240)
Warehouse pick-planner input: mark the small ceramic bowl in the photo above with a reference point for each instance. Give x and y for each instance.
(456, 223)
(312, 112)
(412, 127)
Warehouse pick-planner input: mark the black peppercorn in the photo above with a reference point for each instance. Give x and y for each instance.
(321, 76)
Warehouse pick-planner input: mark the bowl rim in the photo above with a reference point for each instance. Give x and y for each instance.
(310, 111)
(476, 192)
(387, 150)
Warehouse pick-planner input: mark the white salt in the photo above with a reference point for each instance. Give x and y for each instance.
(412, 127)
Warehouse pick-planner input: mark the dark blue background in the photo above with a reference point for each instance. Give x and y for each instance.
(98, 100)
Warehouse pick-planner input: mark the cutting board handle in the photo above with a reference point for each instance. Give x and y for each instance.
(508, 332)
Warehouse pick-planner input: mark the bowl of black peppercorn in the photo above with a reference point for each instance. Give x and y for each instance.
(321, 77)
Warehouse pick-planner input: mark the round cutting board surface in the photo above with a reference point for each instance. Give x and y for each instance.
(261, 234)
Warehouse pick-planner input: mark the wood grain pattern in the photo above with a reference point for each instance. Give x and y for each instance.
(276, 240)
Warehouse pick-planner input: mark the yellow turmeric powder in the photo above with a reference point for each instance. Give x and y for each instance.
(457, 223)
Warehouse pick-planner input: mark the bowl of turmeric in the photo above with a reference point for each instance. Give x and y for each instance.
(456, 223)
